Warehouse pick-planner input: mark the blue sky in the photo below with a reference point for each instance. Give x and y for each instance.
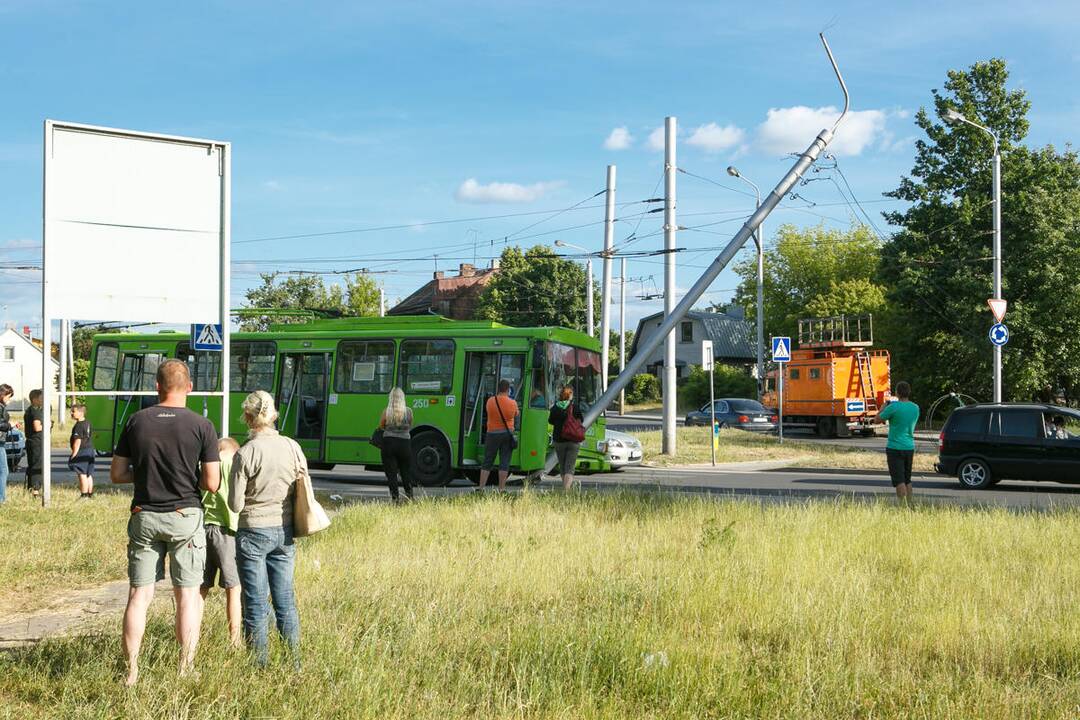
(362, 115)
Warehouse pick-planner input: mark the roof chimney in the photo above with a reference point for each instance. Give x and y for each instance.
(494, 263)
(438, 275)
(466, 270)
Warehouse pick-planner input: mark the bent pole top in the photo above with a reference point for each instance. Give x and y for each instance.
(646, 349)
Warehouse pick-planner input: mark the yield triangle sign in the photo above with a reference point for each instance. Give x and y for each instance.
(997, 306)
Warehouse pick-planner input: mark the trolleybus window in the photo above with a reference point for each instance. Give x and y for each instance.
(251, 366)
(105, 366)
(575, 367)
(203, 365)
(365, 366)
(427, 366)
(139, 372)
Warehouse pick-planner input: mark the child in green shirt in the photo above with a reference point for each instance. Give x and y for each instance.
(220, 523)
(902, 415)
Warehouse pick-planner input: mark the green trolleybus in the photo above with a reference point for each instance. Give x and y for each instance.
(330, 380)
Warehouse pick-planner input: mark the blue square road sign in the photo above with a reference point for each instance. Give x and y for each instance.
(206, 337)
(781, 349)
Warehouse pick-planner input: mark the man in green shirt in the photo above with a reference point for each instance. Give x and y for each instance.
(220, 524)
(902, 415)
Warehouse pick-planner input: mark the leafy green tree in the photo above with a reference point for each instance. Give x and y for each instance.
(813, 272)
(938, 267)
(613, 350)
(359, 297)
(536, 288)
(728, 382)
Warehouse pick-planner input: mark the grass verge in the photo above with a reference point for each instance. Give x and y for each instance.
(69, 546)
(622, 605)
(742, 446)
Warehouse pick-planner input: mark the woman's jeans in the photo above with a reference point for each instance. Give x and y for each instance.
(265, 558)
(3, 470)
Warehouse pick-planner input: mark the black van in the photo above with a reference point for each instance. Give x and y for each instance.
(984, 444)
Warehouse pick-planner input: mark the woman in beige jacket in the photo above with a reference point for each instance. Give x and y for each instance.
(261, 490)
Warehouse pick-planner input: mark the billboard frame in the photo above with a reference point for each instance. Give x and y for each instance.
(224, 239)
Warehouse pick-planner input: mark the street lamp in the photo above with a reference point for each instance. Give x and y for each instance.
(954, 116)
(734, 172)
(588, 288)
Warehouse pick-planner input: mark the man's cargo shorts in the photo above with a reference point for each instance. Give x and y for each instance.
(153, 534)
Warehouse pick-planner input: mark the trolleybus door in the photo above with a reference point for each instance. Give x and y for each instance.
(137, 372)
(302, 398)
(483, 370)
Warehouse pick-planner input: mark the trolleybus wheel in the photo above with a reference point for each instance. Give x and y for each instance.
(430, 459)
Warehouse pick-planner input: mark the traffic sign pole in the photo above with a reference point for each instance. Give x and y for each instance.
(707, 361)
(780, 408)
(781, 354)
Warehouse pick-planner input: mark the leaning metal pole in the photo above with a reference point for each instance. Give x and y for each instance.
(647, 348)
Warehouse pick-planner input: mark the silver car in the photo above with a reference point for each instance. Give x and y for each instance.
(622, 449)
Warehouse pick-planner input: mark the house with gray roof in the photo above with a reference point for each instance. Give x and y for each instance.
(731, 335)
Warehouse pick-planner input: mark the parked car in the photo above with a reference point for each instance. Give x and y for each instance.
(15, 445)
(622, 449)
(983, 444)
(736, 413)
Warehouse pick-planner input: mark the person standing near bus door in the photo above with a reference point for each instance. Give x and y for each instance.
(565, 450)
(396, 450)
(6, 393)
(501, 410)
(902, 415)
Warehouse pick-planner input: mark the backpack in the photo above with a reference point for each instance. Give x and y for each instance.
(572, 429)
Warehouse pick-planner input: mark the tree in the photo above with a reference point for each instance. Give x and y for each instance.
(537, 288)
(938, 267)
(728, 382)
(358, 298)
(814, 272)
(613, 350)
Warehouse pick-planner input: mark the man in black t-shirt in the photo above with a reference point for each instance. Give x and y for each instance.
(170, 453)
(81, 461)
(34, 420)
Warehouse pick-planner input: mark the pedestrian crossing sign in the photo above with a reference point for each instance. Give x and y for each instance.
(206, 337)
(781, 349)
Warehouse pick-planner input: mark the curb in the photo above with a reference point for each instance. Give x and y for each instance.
(746, 465)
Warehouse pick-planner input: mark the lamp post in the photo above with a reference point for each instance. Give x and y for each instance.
(588, 287)
(954, 116)
(734, 172)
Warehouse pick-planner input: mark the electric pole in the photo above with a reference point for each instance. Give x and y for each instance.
(668, 389)
(605, 288)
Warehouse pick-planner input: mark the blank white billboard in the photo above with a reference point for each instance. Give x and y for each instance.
(134, 225)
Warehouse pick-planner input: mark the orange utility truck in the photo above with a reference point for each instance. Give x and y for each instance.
(836, 382)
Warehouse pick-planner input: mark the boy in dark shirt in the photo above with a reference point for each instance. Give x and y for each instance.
(81, 461)
(34, 419)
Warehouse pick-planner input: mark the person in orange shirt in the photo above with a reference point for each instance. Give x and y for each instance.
(501, 411)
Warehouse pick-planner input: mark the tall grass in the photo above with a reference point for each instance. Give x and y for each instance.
(621, 605)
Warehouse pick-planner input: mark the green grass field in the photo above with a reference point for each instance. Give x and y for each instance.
(741, 446)
(615, 606)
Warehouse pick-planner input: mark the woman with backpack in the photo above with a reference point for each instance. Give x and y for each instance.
(567, 432)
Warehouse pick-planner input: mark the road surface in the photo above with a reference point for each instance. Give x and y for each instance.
(785, 485)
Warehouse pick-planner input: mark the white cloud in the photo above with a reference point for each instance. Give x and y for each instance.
(272, 185)
(20, 244)
(656, 139)
(619, 139)
(792, 129)
(472, 191)
(713, 138)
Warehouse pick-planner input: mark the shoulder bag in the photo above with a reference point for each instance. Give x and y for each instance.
(308, 515)
(513, 440)
(572, 429)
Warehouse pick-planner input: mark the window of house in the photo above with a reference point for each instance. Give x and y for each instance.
(686, 332)
(427, 366)
(365, 366)
(9, 353)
